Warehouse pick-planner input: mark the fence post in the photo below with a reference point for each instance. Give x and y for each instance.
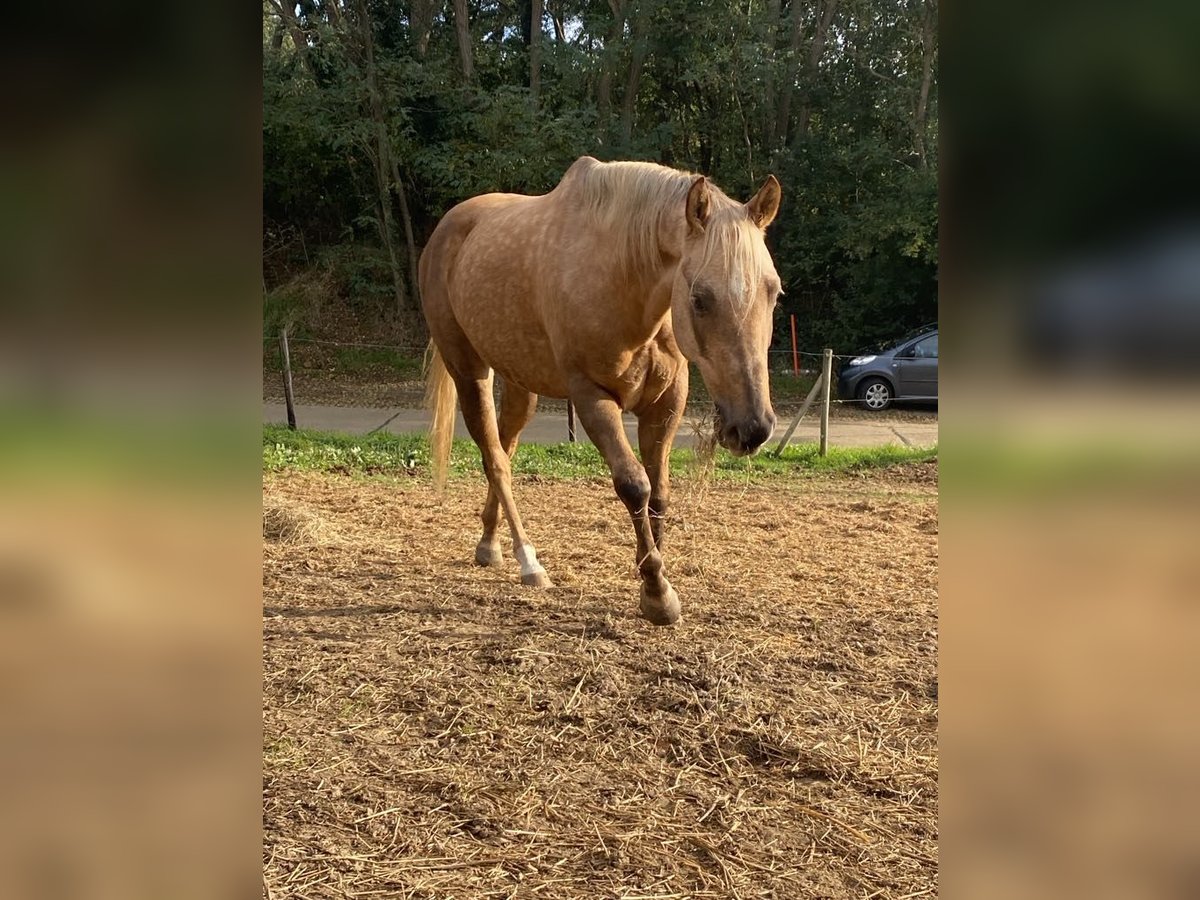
(795, 352)
(570, 421)
(287, 378)
(826, 377)
(808, 401)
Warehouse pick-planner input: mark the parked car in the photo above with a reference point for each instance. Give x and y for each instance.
(904, 370)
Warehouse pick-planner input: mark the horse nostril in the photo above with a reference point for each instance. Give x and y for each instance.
(756, 433)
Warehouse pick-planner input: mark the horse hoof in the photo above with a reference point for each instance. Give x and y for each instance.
(661, 608)
(537, 579)
(488, 555)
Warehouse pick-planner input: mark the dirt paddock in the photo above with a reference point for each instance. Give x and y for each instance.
(432, 729)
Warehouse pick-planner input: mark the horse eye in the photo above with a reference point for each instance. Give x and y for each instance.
(701, 302)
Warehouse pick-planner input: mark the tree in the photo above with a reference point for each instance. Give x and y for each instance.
(379, 115)
(462, 31)
(535, 50)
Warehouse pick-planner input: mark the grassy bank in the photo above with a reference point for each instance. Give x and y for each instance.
(408, 454)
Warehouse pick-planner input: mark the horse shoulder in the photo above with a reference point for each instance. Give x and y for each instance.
(654, 368)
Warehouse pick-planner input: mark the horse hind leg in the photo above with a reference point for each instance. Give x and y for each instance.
(479, 412)
(517, 406)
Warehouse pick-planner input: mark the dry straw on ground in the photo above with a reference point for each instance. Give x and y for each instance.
(292, 522)
(433, 729)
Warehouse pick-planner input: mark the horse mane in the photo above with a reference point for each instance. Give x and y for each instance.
(633, 200)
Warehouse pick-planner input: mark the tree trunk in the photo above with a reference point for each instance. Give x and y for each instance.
(641, 47)
(816, 48)
(384, 164)
(770, 39)
(409, 238)
(524, 10)
(815, 51)
(535, 51)
(704, 134)
(421, 18)
(608, 63)
(462, 28)
(928, 51)
(783, 114)
(556, 15)
(287, 14)
(384, 205)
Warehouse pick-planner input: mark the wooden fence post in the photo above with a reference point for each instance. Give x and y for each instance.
(570, 421)
(287, 378)
(826, 377)
(808, 401)
(795, 351)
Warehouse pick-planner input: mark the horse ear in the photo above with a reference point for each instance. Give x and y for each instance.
(765, 204)
(699, 205)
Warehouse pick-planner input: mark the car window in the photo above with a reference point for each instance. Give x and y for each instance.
(926, 349)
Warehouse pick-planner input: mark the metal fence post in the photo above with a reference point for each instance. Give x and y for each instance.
(826, 377)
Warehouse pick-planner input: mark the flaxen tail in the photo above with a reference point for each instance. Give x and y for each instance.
(441, 397)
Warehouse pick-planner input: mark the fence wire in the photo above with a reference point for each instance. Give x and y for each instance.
(420, 350)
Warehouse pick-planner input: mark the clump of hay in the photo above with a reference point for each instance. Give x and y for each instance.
(704, 447)
(293, 523)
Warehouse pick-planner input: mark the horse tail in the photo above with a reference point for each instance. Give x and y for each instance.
(441, 396)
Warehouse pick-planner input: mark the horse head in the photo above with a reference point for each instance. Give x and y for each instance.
(722, 305)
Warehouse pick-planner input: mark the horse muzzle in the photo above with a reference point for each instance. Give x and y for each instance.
(744, 435)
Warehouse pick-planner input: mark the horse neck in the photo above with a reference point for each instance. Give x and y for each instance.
(649, 292)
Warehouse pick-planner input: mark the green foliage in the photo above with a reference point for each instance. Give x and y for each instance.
(408, 455)
(698, 85)
(293, 303)
(358, 275)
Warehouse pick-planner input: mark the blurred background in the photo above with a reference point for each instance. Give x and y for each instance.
(1070, 276)
(130, 293)
(133, 266)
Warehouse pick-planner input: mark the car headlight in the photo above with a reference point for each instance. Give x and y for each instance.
(862, 360)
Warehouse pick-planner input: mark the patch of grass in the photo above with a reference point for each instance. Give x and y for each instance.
(332, 451)
(408, 454)
(366, 360)
(807, 458)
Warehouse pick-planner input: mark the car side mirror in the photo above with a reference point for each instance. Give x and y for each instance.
(907, 353)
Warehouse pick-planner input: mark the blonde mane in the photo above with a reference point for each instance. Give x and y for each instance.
(633, 200)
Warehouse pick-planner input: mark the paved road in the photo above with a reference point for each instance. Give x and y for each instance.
(551, 427)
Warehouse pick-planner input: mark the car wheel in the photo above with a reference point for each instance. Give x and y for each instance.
(875, 394)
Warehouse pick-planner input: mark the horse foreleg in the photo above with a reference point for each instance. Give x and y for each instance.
(657, 425)
(601, 417)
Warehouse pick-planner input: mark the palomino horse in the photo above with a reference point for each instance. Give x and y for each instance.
(601, 291)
